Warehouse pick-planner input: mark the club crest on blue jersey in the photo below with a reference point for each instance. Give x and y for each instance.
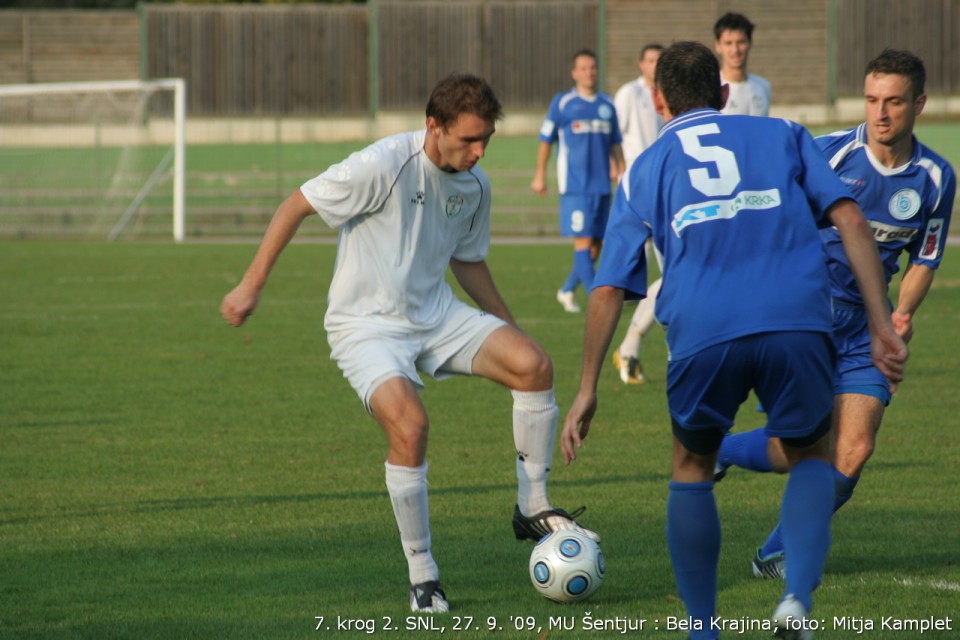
(904, 204)
(454, 205)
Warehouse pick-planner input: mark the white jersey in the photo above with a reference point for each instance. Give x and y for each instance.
(639, 120)
(748, 98)
(401, 220)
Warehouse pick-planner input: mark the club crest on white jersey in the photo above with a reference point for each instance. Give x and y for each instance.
(454, 205)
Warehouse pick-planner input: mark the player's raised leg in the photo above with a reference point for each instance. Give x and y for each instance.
(516, 361)
(856, 421)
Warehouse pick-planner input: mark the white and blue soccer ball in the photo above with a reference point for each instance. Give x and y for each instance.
(566, 566)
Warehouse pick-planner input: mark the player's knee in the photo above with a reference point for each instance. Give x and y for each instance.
(408, 442)
(855, 454)
(537, 372)
(406, 419)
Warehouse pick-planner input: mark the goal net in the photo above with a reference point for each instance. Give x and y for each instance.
(92, 159)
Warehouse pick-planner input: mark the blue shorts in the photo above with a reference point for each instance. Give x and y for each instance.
(584, 216)
(790, 371)
(855, 372)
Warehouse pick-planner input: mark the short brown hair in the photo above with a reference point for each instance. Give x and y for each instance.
(688, 77)
(582, 52)
(461, 93)
(901, 63)
(731, 21)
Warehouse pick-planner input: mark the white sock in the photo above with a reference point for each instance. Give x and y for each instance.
(408, 493)
(534, 429)
(643, 318)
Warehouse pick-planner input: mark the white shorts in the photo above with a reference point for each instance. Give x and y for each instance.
(369, 356)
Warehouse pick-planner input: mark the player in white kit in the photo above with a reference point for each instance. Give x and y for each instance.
(639, 121)
(407, 207)
(749, 94)
(639, 125)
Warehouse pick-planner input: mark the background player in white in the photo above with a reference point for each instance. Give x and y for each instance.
(749, 93)
(639, 124)
(407, 207)
(907, 192)
(639, 121)
(583, 123)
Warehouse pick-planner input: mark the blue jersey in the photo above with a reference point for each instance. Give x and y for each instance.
(585, 130)
(734, 205)
(908, 207)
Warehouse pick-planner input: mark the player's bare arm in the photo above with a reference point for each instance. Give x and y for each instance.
(539, 184)
(888, 349)
(603, 312)
(617, 164)
(914, 287)
(240, 303)
(476, 280)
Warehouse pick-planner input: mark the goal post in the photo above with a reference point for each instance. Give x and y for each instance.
(84, 154)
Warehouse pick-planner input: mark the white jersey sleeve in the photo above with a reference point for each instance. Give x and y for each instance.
(361, 183)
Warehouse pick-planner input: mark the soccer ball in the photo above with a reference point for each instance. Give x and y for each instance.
(566, 566)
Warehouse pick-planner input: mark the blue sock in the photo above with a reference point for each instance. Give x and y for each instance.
(774, 543)
(747, 450)
(584, 268)
(843, 490)
(573, 279)
(805, 516)
(693, 536)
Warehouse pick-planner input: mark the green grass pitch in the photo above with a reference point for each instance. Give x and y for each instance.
(164, 475)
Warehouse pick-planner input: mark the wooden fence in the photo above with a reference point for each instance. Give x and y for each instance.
(331, 60)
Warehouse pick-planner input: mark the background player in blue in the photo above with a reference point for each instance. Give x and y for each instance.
(746, 305)
(583, 123)
(906, 191)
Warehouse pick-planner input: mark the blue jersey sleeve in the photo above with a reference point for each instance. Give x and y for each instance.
(623, 262)
(831, 143)
(550, 129)
(822, 186)
(927, 248)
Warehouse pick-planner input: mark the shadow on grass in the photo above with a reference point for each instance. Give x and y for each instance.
(192, 504)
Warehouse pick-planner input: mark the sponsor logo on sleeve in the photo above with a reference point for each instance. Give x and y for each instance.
(931, 241)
